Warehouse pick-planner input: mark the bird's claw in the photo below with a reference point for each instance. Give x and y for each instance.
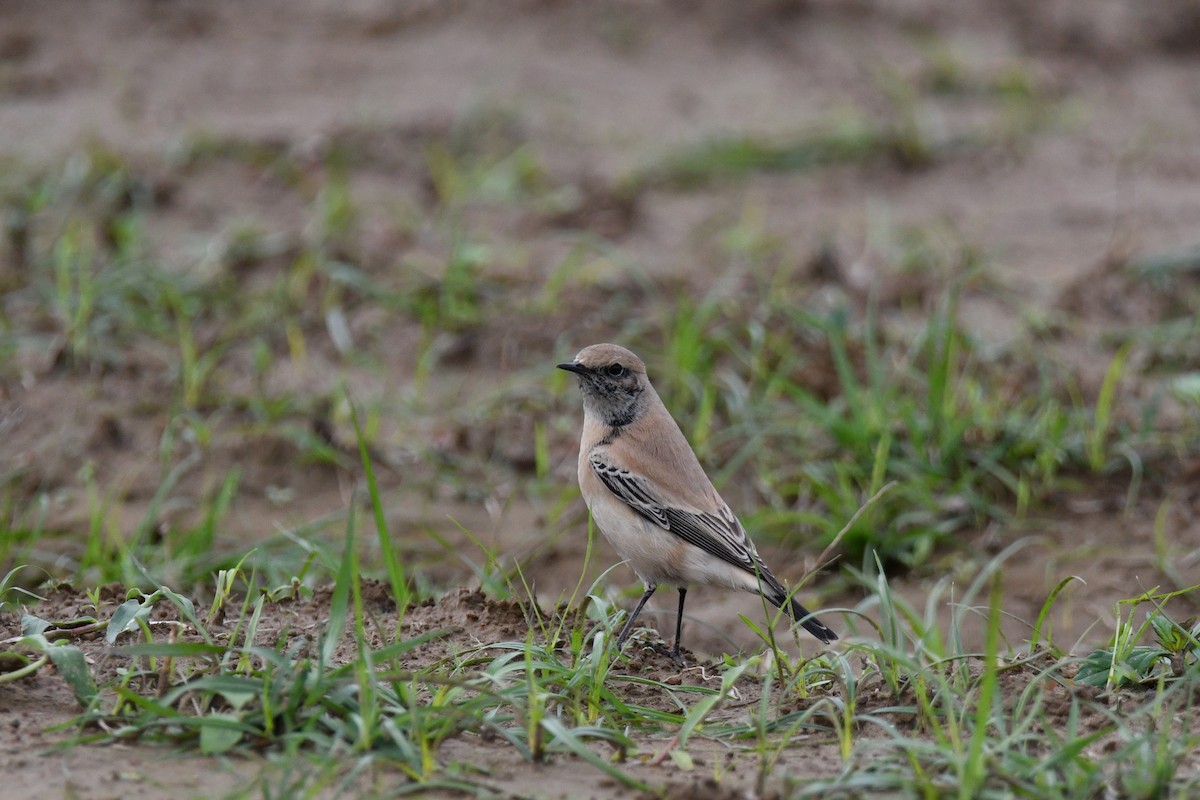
(672, 654)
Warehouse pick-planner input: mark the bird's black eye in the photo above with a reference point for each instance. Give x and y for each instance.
(614, 370)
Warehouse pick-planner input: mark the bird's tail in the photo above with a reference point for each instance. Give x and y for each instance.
(809, 622)
(775, 592)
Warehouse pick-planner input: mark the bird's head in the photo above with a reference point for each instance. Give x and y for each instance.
(614, 383)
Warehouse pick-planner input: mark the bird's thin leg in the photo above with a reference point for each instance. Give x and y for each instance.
(650, 587)
(679, 625)
(674, 653)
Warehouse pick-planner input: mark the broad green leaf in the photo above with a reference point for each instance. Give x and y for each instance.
(126, 617)
(72, 665)
(33, 626)
(216, 738)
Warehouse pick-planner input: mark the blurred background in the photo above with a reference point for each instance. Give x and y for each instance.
(950, 245)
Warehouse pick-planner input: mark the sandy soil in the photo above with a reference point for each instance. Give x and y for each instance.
(600, 90)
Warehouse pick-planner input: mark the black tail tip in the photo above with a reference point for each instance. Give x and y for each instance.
(818, 629)
(811, 624)
(803, 616)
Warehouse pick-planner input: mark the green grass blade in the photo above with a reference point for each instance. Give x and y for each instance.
(395, 567)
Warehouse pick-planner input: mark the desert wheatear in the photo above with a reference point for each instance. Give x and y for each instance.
(651, 498)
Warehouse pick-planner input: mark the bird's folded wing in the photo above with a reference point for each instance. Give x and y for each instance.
(719, 534)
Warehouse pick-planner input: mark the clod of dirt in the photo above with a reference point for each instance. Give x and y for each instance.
(377, 596)
(706, 787)
(470, 610)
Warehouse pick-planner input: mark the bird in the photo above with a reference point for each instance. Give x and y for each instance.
(652, 500)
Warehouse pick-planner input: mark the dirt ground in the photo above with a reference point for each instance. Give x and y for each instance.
(465, 620)
(601, 90)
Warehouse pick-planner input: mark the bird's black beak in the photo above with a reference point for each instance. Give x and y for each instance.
(571, 366)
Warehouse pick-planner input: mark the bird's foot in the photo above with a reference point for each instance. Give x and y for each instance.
(672, 653)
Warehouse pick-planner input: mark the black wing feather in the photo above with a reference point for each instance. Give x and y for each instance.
(721, 536)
